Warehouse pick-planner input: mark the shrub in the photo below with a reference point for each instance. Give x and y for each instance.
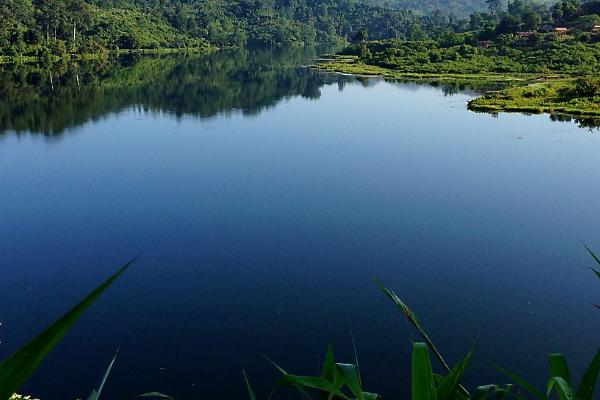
(587, 87)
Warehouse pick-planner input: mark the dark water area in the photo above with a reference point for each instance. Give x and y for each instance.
(266, 199)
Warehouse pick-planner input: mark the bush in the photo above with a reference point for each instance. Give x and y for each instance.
(587, 87)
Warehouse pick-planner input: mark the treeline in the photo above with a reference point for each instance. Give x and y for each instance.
(51, 28)
(525, 18)
(523, 37)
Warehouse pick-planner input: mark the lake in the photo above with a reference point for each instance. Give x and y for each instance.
(266, 200)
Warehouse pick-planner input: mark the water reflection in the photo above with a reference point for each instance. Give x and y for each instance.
(50, 100)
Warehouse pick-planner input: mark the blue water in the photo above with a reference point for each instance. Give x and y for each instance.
(265, 232)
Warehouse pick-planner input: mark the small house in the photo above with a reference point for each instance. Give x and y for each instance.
(485, 43)
(596, 29)
(561, 31)
(546, 28)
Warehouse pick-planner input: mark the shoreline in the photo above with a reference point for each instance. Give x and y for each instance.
(523, 93)
(349, 65)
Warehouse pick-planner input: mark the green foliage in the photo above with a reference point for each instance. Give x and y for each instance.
(587, 87)
(560, 381)
(17, 368)
(83, 26)
(422, 385)
(557, 97)
(463, 55)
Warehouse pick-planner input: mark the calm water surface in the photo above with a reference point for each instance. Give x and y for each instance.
(266, 200)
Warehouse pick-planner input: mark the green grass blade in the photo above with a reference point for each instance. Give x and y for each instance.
(96, 393)
(352, 379)
(447, 387)
(156, 395)
(283, 371)
(589, 380)
(17, 368)
(251, 394)
(412, 318)
(559, 367)
(594, 256)
(329, 364)
(564, 390)
(422, 386)
(312, 382)
(356, 357)
(523, 383)
(303, 382)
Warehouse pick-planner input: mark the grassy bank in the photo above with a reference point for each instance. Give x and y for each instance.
(554, 96)
(513, 92)
(350, 64)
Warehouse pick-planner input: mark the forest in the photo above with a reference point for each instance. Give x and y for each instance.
(55, 28)
(50, 29)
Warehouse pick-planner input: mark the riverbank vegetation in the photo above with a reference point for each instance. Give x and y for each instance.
(335, 380)
(543, 48)
(577, 97)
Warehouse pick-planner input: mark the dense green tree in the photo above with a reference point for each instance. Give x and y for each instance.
(361, 36)
(565, 9)
(509, 24)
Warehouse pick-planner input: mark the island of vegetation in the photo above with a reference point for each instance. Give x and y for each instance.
(532, 57)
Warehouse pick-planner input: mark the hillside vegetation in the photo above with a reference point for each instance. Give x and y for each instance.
(43, 28)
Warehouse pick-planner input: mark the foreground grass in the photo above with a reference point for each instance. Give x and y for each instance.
(335, 380)
(525, 93)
